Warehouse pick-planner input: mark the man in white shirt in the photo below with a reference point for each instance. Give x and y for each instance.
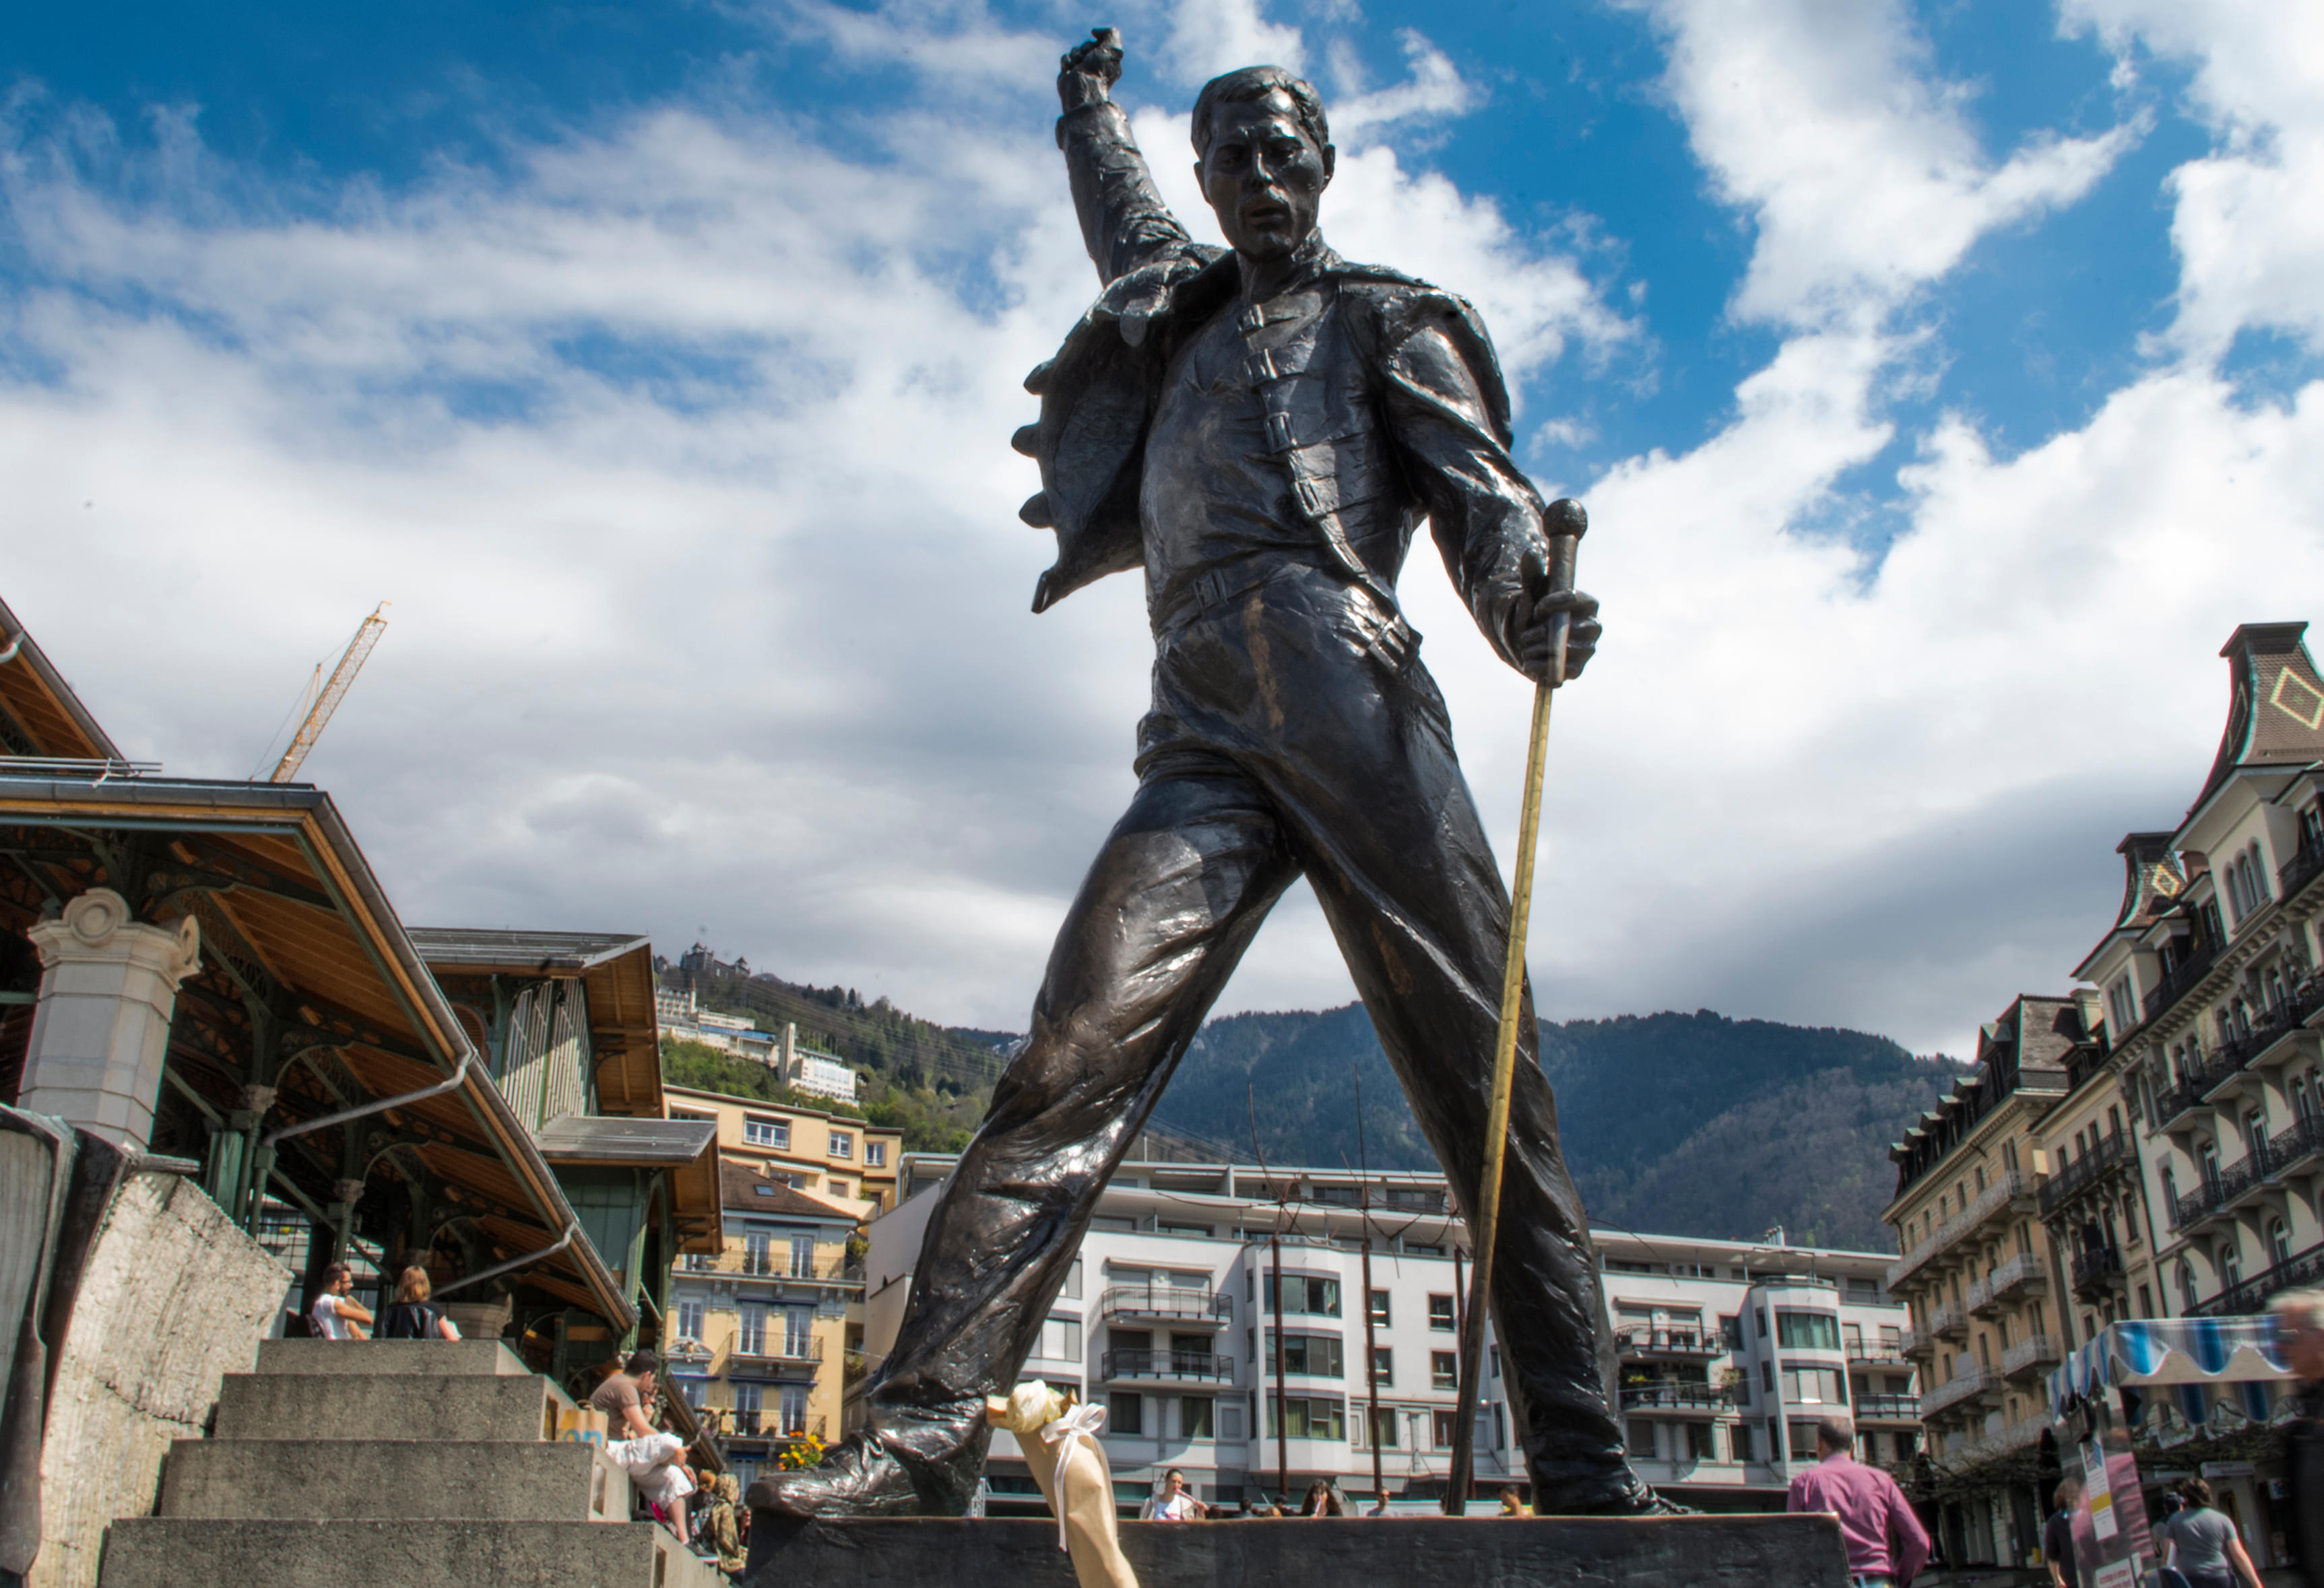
(337, 1317)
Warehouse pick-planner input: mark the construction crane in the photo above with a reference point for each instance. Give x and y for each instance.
(326, 697)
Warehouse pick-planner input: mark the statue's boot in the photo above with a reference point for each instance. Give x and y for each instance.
(928, 1467)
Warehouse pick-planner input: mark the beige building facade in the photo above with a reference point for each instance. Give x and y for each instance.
(840, 1159)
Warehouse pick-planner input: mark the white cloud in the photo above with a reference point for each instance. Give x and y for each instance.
(1858, 166)
(2249, 222)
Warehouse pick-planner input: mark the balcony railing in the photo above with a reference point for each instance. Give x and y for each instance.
(2111, 1154)
(1888, 1408)
(1177, 1304)
(2182, 976)
(2017, 1275)
(758, 1425)
(1876, 1351)
(2293, 1146)
(2096, 1266)
(1136, 1363)
(2021, 1434)
(2004, 1189)
(1948, 1319)
(1667, 1397)
(2304, 1268)
(1668, 1343)
(779, 1348)
(2307, 861)
(1966, 1385)
(2031, 1355)
(779, 1266)
(1919, 1344)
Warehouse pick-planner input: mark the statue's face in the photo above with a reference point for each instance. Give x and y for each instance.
(1264, 176)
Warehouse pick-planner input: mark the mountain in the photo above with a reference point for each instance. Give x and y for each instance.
(1684, 1123)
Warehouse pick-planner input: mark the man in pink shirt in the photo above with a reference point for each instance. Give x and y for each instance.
(1887, 1545)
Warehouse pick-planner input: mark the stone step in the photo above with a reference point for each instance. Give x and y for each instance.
(436, 1358)
(392, 1406)
(1387, 1552)
(167, 1552)
(316, 1479)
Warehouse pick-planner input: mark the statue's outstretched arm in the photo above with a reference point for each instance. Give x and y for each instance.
(1124, 222)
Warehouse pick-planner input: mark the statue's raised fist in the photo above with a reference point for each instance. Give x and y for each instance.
(1098, 56)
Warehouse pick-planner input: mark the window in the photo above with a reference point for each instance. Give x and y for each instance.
(1814, 1386)
(798, 1332)
(875, 1154)
(1380, 1311)
(794, 1408)
(802, 1257)
(758, 1131)
(1125, 1412)
(1061, 1339)
(1807, 1331)
(755, 1258)
(689, 1320)
(1851, 1340)
(1230, 1421)
(2231, 1267)
(1731, 1333)
(1741, 1435)
(751, 1337)
(1440, 1431)
(1383, 1367)
(1892, 1340)
(1767, 1377)
(1316, 1356)
(1803, 1441)
(748, 1399)
(2146, 1302)
(1194, 1412)
(838, 1187)
(1443, 1369)
(1072, 1290)
(696, 1392)
(1641, 1442)
(1439, 1312)
(2186, 1289)
(1701, 1441)
(1384, 1420)
(1303, 1293)
(1307, 1420)
(2120, 1007)
(2279, 1242)
(843, 1143)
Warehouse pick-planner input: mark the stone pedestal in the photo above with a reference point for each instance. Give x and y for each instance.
(108, 986)
(1387, 1552)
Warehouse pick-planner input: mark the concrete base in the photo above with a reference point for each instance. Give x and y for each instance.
(301, 1479)
(388, 1407)
(157, 1551)
(1400, 1552)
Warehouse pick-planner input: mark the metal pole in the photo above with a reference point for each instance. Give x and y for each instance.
(1565, 522)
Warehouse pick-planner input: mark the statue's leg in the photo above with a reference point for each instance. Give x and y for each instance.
(1378, 812)
(1167, 910)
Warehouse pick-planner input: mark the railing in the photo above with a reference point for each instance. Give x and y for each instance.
(2304, 1268)
(2171, 1103)
(2111, 1152)
(1889, 1407)
(1947, 1319)
(2182, 976)
(2096, 1266)
(1134, 1364)
(1668, 1343)
(2305, 1136)
(1974, 1381)
(2018, 1435)
(782, 1349)
(2270, 1027)
(2021, 1272)
(1164, 1301)
(1676, 1397)
(2299, 871)
(1918, 1344)
(1896, 1350)
(774, 1266)
(2004, 1188)
(758, 1425)
(2029, 1354)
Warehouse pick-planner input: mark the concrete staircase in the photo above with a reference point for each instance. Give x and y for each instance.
(419, 1462)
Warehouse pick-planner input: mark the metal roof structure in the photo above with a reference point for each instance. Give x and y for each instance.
(614, 969)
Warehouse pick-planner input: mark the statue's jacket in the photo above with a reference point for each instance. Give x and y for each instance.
(1384, 404)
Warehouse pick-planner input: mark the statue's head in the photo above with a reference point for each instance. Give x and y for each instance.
(1264, 156)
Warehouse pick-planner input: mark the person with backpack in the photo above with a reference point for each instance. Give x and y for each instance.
(410, 1317)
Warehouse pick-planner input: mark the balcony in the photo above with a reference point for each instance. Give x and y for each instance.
(2022, 1275)
(778, 1349)
(2022, 1435)
(1165, 1304)
(1678, 1399)
(1182, 1366)
(2222, 1192)
(1949, 1322)
(2294, 1148)
(2096, 1272)
(1882, 1352)
(2111, 1156)
(1918, 1344)
(1974, 1384)
(2182, 976)
(1887, 1409)
(751, 1265)
(2030, 1357)
(2307, 863)
(2305, 1267)
(2005, 1191)
(760, 1426)
(1687, 1344)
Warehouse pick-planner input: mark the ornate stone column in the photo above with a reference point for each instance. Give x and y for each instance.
(108, 986)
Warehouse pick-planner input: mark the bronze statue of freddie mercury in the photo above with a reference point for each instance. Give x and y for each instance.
(1260, 430)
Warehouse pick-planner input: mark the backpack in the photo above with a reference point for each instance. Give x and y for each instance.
(409, 1320)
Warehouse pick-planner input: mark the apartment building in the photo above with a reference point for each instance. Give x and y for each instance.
(1727, 1351)
(839, 1158)
(2211, 997)
(760, 1335)
(1978, 1273)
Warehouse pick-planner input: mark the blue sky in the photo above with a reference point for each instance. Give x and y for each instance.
(1942, 379)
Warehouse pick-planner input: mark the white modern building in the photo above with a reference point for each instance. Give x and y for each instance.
(803, 1069)
(1729, 1351)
